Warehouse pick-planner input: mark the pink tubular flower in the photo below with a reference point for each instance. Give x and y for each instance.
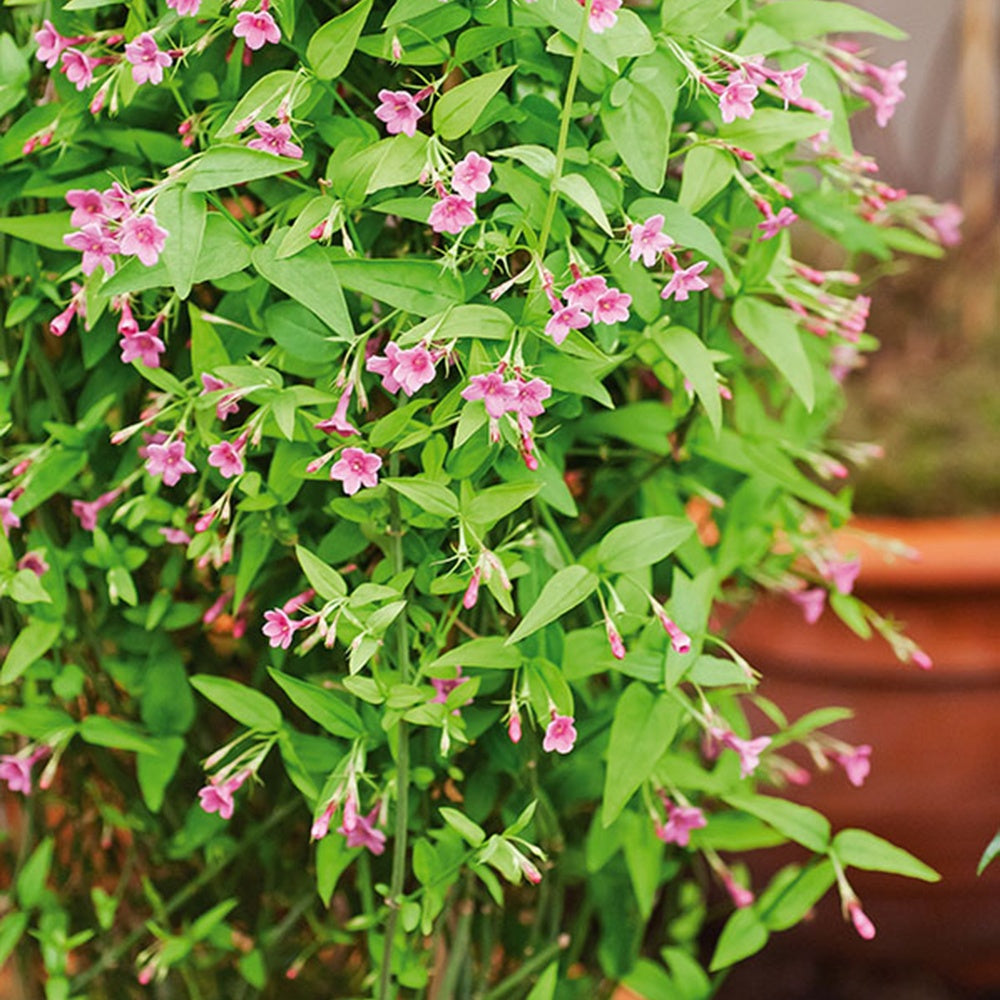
(385, 366)
(87, 512)
(947, 224)
(148, 62)
(451, 214)
(584, 293)
(612, 307)
(338, 422)
(141, 237)
(176, 536)
(60, 324)
(472, 591)
(684, 281)
(257, 29)
(602, 15)
(443, 686)
(218, 797)
(773, 224)
(16, 771)
(185, 8)
(356, 468)
(736, 100)
(530, 397)
(279, 628)
(117, 202)
(144, 347)
(811, 601)
(471, 176)
(681, 820)
(168, 461)
(88, 206)
(740, 895)
(413, 368)
(560, 734)
(50, 46)
(615, 640)
(864, 926)
(35, 561)
(399, 110)
(227, 458)
(227, 404)
(321, 825)
(789, 83)
(749, 751)
(528, 869)
(8, 519)
(497, 395)
(96, 247)
(514, 726)
(856, 764)
(565, 319)
(842, 573)
(649, 241)
(275, 139)
(363, 833)
(79, 69)
(679, 639)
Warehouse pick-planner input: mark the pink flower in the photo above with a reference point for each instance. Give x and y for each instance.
(227, 458)
(257, 29)
(176, 536)
(472, 591)
(168, 461)
(219, 797)
(918, 657)
(362, 833)
(565, 319)
(773, 224)
(842, 573)
(16, 771)
(275, 139)
(321, 825)
(528, 870)
(141, 237)
(749, 751)
(87, 512)
(584, 292)
(279, 628)
(385, 366)
(144, 347)
(514, 726)
(185, 8)
(856, 764)
(356, 468)
(35, 561)
(50, 46)
(864, 926)
(681, 820)
(148, 62)
(615, 640)
(811, 601)
(8, 519)
(399, 110)
(88, 206)
(602, 15)
(338, 423)
(227, 404)
(649, 241)
(612, 307)
(790, 83)
(497, 395)
(740, 895)
(117, 202)
(471, 176)
(684, 281)
(679, 639)
(946, 223)
(60, 324)
(451, 214)
(96, 247)
(443, 686)
(414, 368)
(531, 397)
(736, 100)
(560, 734)
(79, 69)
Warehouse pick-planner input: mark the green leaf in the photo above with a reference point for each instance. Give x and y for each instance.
(628, 38)
(992, 850)
(581, 192)
(155, 771)
(707, 170)
(799, 823)
(643, 728)
(325, 707)
(645, 542)
(457, 110)
(496, 502)
(183, 214)
(260, 101)
(687, 229)
(545, 987)
(325, 580)
(688, 17)
(861, 849)
(331, 47)
(771, 129)
(694, 360)
(31, 644)
(207, 350)
(33, 876)
(791, 901)
(461, 322)
(561, 593)
(744, 935)
(433, 497)
(774, 332)
(46, 229)
(421, 287)
(118, 734)
(224, 166)
(245, 705)
(12, 928)
(308, 278)
(799, 19)
(471, 832)
(490, 651)
(332, 858)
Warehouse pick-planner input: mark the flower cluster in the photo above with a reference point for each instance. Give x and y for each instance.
(452, 213)
(650, 243)
(587, 299)
(522, 400)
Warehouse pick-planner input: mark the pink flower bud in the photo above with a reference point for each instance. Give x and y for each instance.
(472, 592)
(864, 926)
(514, 728)
(614, 640)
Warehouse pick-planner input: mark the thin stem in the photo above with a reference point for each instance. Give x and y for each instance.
(527, 970)
(402, 753)
(564, 123)
(458, 953)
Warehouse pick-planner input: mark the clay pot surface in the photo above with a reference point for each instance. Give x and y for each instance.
(934, 786)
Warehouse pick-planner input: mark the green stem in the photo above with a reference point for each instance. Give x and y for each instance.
(458, 953)
(527, 970)
(564, 122)
(402, 752)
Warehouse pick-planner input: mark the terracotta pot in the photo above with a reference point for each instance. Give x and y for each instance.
(934, 786)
